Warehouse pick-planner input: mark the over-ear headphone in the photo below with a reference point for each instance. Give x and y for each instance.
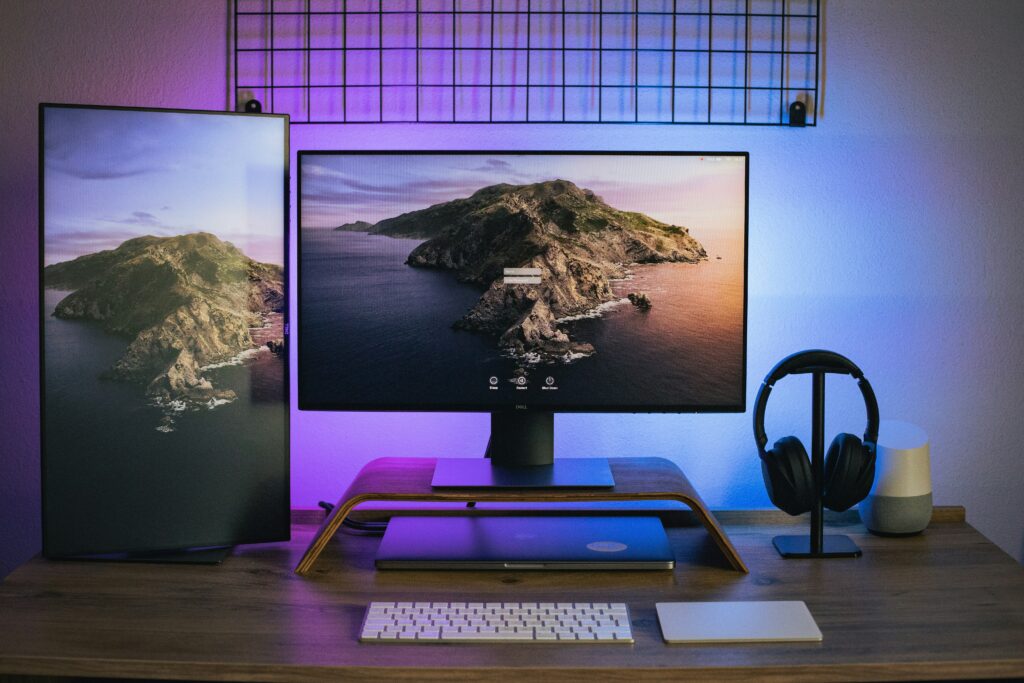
(849, 464)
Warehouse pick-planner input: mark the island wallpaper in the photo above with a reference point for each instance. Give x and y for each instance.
(163, 328)
(562, 280)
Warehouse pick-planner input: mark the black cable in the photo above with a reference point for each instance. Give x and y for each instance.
(358, 528)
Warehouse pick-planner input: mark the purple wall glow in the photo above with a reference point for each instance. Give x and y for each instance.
(891, 233)
(116, 52)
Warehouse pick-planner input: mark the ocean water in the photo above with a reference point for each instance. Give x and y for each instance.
(374, 332)
(114, 480)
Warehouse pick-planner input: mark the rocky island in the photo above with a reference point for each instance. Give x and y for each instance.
(355, 226)
(183, 303)
(577, 242)
(640, 300)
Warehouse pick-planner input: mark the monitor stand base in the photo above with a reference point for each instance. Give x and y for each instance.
(483, 473)
(212, 555)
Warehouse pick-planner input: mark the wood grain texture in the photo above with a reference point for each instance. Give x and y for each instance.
(946, 604)
(408, 479)
(671, 517)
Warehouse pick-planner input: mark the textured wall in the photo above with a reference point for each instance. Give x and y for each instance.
(165, 53)
(891, 233)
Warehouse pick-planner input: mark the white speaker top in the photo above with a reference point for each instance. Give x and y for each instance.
(901, 436)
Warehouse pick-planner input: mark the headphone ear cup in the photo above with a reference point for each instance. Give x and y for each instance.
(849, 472)
(787, 476)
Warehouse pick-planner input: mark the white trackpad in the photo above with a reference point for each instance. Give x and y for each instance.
(737, 622)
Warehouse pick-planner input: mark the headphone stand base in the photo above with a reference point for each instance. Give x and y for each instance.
(799, 547)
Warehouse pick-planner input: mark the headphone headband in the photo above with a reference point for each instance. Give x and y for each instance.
(814, 360)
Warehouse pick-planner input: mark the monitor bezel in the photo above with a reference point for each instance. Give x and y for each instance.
(283, 530)
(515, 406)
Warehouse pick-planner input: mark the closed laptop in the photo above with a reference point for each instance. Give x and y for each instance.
(564, 542)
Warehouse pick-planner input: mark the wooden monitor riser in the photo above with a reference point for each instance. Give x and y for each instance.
(409, 479)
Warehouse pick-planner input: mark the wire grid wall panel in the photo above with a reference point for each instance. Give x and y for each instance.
(740, 62)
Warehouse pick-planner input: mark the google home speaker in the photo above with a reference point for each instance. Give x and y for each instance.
(900, 502)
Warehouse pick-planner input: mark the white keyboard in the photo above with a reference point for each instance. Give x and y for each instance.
(474, 622)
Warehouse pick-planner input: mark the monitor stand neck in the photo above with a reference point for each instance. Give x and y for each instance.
(520, 454)
(521, 439)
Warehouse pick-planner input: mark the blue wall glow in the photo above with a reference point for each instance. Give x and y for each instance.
(891, 233)
(888, 233)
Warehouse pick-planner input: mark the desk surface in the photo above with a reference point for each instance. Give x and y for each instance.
(945, 604)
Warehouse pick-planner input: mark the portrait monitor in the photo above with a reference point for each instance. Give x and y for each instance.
(522, 284)
(164, 370)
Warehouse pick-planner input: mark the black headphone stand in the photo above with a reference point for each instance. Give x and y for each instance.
(817, 544)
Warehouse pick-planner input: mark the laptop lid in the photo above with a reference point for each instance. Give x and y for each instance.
(566, 542)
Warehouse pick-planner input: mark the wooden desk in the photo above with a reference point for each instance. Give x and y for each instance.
(946, 604)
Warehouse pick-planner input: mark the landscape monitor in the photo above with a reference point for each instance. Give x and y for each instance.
(522, 284)
(163, 302)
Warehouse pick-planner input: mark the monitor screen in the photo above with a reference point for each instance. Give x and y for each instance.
(493, 281)
(163, 303)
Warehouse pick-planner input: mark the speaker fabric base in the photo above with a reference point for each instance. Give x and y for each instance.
(897, 515)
